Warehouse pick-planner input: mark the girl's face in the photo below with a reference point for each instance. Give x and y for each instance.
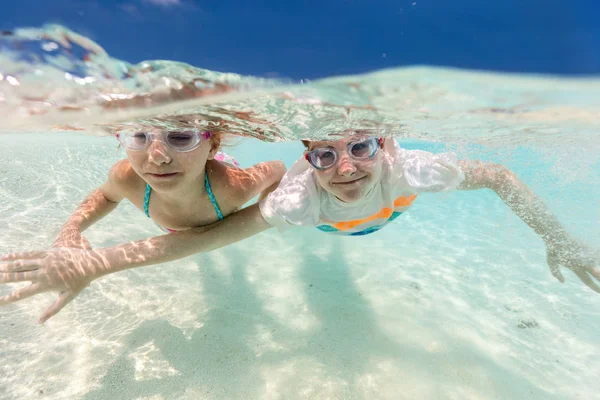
(164, 168)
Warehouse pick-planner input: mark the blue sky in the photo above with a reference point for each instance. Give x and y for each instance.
(312, 39)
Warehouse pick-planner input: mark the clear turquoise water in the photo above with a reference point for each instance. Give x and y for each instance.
(430, 307)
(453, 300)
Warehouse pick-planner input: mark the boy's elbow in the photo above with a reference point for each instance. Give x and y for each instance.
(482, 174)
(500, 176)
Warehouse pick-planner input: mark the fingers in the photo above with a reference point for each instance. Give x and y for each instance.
(10, 277)
(28, 255)
(63, 299)
(585, 278)
(21, 294)
(555, 270)
(19, 266)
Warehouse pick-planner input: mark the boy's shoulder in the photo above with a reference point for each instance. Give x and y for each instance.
(299, 177)
(296, 199)
(425, 171)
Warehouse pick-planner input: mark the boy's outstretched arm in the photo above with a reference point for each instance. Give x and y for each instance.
(69, 270)
(561, 248)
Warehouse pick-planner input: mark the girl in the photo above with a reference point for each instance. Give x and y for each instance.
(178, 178)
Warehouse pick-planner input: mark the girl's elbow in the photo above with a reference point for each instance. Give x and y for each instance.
(278, 170)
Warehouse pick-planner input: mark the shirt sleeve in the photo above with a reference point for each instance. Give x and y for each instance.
(429, 172)
(295, 202)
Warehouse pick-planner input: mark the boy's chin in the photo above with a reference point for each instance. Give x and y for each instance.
(350, 196)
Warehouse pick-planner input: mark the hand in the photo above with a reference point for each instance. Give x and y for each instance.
(67, 271)
(71, 238)
(572, 255)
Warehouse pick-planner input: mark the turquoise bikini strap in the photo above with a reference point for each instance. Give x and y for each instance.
(147, 200)
(211, 196)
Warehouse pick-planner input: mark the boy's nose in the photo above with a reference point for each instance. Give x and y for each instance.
(158, 153)
(346, 166)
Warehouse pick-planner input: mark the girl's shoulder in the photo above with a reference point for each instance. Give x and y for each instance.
(123, 178)
(239, 185)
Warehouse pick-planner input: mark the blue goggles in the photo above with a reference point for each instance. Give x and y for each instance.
(326, 157)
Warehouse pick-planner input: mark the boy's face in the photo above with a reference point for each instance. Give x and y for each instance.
(348, 179)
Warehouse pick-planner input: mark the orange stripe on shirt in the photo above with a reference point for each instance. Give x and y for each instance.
(346, 225)
(386, 212)
(404, 201)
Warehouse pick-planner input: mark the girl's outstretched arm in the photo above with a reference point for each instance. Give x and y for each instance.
(69, 270)
(159, 249)
(96, 206)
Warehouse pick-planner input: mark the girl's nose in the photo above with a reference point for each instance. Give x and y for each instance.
(158, 153)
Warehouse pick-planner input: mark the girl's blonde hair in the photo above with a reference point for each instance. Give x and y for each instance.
(207, 123)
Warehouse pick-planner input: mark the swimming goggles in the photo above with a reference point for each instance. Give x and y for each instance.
(326, 157)
(180, 141)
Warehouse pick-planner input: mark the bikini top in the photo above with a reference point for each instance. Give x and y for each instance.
(209, 191)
